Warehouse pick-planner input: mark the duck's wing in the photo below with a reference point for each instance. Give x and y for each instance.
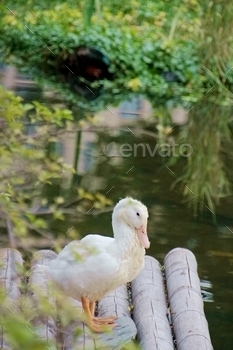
(97, 241)
(87, 267)
(91, 245)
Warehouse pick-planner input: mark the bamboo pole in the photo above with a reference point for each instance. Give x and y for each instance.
(11, 263)
(150, 308)
(184, 293)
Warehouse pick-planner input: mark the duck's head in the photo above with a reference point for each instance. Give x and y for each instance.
(134, 214)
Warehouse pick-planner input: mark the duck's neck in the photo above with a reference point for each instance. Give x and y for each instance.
(126, 240)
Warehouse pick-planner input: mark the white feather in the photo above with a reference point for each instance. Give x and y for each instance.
(97, 265)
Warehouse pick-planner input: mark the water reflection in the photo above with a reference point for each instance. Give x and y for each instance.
(225, 231)
(207, 296)
(192, 243)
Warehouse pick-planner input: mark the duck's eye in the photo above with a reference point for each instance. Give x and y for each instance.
(138, 214)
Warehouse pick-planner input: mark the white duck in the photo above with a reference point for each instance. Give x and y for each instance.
(90, 268)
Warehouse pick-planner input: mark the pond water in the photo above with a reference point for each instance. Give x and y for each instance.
(171, 223)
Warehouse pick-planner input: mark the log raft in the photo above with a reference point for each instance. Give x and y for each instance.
(162, 309)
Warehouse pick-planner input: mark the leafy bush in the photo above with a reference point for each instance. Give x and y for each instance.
(26, 165)
(140, 57)
(29, 167)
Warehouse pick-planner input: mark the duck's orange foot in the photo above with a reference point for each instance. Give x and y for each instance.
(99, 327)
(104, 320)
(96, 324)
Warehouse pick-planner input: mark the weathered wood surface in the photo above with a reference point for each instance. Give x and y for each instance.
(11, 263)
(150, 308)
(186, 304)
(115, 304)
(39, 290)
(153, 298)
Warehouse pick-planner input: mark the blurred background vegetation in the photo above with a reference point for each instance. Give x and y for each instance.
(175, 54)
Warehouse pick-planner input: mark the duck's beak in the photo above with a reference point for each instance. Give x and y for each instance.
(142, 235)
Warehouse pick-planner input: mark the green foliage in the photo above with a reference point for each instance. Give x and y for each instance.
(131, 346)
(42, 40)
(206, 177)
(21, 334)
(25, 165)
(30, 168)
(23, 320)
(216, 43)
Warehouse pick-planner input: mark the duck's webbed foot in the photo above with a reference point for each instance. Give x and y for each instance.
(100, 327)
(104, 320)
(96, 324)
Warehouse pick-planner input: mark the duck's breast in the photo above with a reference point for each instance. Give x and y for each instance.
(132, 264)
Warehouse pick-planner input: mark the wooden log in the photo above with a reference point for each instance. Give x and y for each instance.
(186, 304)
(116, 339)
(116, 303)
(150, 308)
(11, 264)
(148, 296)
(42, 296)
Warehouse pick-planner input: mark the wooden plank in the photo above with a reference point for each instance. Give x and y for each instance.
(186, 304)
(150, 308)
(11, 264)
(40, 292)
